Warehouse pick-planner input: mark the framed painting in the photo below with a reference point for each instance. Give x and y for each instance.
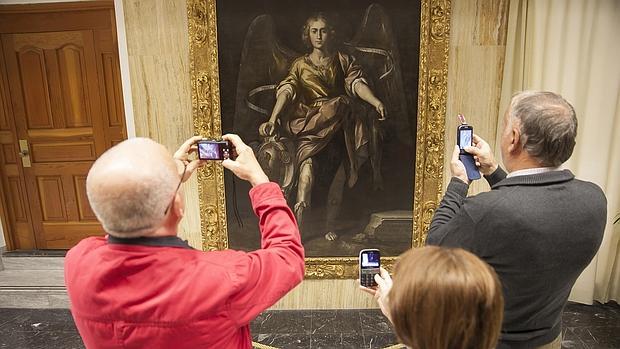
(344, 105)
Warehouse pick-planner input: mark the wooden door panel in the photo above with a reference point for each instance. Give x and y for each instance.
(85, 212)
(8, 150)
(18, 210)
(52, 198)
(62, 151)
(74, 86)
(33, 74)
(17, 191)
(113, 93)
(60, 235)
(5, 102)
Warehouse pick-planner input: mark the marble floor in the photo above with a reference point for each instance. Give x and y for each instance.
(596, 326)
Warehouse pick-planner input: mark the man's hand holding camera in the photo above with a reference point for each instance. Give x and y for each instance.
(183, 154)
(245, 165)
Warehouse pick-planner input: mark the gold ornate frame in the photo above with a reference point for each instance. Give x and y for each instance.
(432, 92)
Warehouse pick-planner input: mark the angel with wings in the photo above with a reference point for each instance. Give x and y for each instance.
(324, 94)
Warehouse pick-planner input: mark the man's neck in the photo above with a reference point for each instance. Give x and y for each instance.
(523, 163)
(163, 231)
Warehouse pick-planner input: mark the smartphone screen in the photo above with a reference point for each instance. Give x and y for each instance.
(213, 150)
(465, 136)
(370, 261)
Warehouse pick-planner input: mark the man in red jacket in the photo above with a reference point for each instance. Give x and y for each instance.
(143, 287)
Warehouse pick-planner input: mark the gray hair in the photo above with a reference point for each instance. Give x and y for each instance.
(548, 125)
(133, 203)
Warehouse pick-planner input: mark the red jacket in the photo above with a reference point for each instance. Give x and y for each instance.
(160, 293)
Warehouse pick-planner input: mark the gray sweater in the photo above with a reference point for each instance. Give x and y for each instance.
(538, 231)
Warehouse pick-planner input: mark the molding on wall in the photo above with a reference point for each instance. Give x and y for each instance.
(123, 57)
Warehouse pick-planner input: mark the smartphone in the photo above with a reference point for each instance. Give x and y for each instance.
(464, 138)
(214, 150)
(370, 261)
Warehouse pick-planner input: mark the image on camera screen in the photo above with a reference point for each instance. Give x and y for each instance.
(209, 151)
(370, 259)
(465, 140)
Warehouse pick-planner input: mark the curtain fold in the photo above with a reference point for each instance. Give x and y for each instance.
(571, 47)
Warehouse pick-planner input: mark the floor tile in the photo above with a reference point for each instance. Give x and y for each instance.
(599, 336)
(7, 315)
(38, 320)
(379, 340)
(336, 321)
(286, 321)
(14, 340)
(570, 340)
(256, 324)
(337, 340)
(284, 340)
(579, 315)
(55, 339)
(373, 321)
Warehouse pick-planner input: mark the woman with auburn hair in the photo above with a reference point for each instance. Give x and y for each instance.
(442, 299)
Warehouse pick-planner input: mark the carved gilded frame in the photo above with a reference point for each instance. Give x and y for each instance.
(432, 92)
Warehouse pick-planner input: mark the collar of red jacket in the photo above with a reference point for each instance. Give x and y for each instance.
(159, 241)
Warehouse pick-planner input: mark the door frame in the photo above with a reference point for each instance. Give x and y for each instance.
(118, 28)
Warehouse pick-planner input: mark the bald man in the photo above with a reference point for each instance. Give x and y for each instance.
(141, 286)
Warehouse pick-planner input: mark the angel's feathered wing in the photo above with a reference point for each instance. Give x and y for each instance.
(264, 62)
(375, 48)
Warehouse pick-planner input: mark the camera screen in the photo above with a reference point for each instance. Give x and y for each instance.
(370, 259)
(209, 151)
(213, 150)
(465, 137)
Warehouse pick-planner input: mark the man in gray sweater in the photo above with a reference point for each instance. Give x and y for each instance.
(539, 227)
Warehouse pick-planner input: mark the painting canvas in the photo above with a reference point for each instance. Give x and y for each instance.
(343, 103)
(347, 170)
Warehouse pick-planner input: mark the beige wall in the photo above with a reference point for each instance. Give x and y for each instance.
(158, 49)
(157, 42)
(475, 69)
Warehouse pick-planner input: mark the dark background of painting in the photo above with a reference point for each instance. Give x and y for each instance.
(234, 18)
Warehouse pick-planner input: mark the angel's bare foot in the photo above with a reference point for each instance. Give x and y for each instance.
(331, 236)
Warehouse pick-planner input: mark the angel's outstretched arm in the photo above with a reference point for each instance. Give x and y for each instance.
(282, 100)
(365, 93)
(283, 97)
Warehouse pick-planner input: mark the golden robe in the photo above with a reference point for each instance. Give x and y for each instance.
(323, 98)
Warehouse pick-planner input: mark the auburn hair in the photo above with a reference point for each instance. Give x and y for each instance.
(445, 299)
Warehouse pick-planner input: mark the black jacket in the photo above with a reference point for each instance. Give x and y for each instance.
(538, 231)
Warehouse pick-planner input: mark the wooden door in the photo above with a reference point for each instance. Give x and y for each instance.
(65, 112)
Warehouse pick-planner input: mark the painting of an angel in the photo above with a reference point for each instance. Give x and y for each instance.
(323, 116)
